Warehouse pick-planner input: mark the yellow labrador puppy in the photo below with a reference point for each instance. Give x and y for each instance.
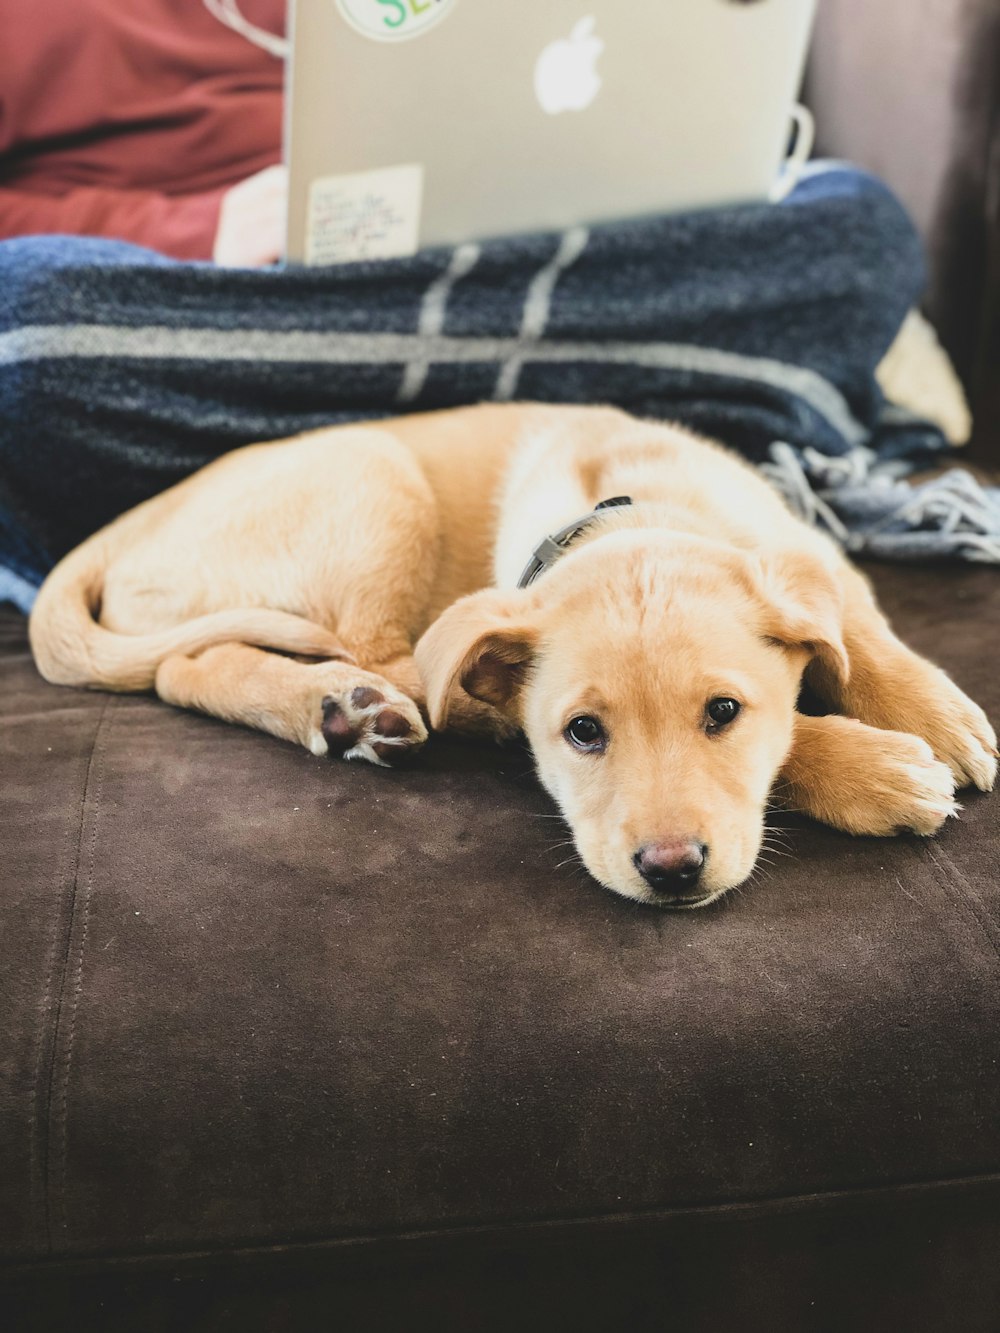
(467, 566)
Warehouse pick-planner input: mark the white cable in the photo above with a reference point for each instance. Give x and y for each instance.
(797, 160)
(228, 13)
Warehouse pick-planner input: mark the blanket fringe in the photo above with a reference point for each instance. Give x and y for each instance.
(863, 502)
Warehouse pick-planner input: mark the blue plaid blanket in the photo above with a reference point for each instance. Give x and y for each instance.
(121, 372)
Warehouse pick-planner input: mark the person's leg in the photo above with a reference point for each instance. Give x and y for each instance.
(122, 372)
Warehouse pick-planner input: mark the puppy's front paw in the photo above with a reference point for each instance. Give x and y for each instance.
(902, 787)
(373, 722)
(876, 783)
(959, 733)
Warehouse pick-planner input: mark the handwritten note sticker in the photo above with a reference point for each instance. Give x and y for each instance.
(365, 215)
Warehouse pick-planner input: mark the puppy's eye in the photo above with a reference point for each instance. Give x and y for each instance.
(586, 733)
(720, 713)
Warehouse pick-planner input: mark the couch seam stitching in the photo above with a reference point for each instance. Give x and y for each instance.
(963, 900)
(36, 1185)
(58, 1100)
(461, 1229)
(970, 896)
(39, 1139)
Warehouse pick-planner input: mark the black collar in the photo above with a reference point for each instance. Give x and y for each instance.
(549, 549)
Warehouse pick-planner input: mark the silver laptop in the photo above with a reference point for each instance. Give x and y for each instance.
(426, 122)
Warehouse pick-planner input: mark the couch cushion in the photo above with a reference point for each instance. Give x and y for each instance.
(251, 997)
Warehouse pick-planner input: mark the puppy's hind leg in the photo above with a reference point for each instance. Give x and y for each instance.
(864, 780)
(331, 708)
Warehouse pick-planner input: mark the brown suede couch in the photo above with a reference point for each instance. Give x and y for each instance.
(292, 1045)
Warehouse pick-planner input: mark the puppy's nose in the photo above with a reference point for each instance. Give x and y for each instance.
(673, 869)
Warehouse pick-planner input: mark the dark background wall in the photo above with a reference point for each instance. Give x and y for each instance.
(909, 89)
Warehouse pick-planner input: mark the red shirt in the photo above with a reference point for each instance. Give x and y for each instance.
(131, 118)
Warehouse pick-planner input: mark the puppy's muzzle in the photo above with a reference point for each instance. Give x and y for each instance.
(673, 871)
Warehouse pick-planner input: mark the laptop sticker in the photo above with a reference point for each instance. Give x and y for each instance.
(364, 215)
(393, 20)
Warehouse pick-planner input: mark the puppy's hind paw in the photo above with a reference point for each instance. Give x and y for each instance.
(376, 723)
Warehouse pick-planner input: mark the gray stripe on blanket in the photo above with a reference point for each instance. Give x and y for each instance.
(537, 307)
(47, 342)
(432, 317)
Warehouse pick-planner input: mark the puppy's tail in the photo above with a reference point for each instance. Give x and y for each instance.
(71, 648)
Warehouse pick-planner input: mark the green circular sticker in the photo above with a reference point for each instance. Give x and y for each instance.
(393, 20)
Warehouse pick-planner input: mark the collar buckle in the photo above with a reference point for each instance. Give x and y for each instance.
(551, 548)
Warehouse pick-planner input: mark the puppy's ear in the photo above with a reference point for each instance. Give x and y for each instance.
(483, 644)
(804, 607)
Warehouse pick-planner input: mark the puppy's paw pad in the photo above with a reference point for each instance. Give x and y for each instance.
(338, 730)
(391, 724)
(363, 696)
(382, 726)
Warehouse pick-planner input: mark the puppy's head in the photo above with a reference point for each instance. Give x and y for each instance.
(656, 679)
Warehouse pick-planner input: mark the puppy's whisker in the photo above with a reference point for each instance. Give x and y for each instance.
(778, 851)
(784, 853)
(778, 836)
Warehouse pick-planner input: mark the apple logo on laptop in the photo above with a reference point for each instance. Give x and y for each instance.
(566, 78)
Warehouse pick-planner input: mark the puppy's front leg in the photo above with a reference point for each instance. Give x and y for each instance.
(891, 686)
(865, 780)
